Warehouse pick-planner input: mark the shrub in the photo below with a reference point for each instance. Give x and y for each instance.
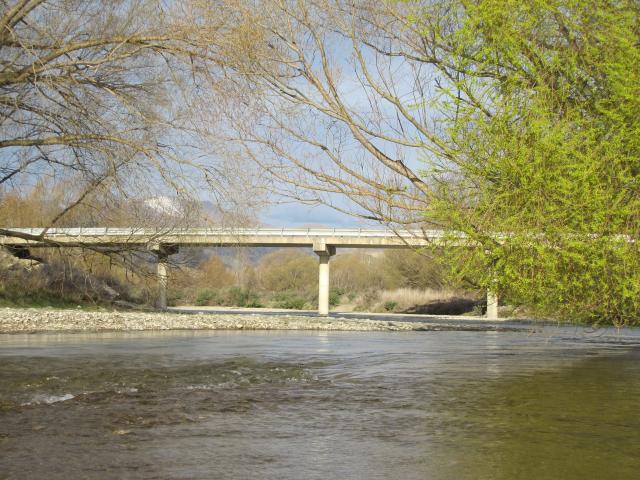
(289, 300)
(390, 306)
(206, 297)
(243, 297)
(334, 296)
(254, 302)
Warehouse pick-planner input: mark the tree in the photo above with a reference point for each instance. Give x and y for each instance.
(513, 123)
(357, 271)
(413, 269)
(96, 99)
(553, 163)
(288, 270)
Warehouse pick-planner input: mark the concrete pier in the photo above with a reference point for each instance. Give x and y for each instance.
(162, 252)
(323, 284)
(492, 305)
(324, 252)
(162, 280)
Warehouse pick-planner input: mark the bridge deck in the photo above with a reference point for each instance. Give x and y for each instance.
(210, 237)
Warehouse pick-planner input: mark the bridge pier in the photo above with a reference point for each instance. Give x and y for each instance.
(492, 305)
(324, 252)
(162, 280)
(323, 284)
(162, 252)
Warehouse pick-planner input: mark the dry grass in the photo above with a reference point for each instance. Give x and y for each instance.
(414, 300)
(409, 297)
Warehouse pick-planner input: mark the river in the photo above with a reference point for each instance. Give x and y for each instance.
(557, 404)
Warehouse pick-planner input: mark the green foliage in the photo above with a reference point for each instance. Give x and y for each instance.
(243, 297)
(545, 130)
(289, 300)
(206, 297)
(37, 298)
(335, 294)
(254, 302)
(59, 286)
(390, 306)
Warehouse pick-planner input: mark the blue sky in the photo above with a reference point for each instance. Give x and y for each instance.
(300, 215)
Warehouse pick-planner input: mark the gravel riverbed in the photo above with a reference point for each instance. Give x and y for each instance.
(31, 320)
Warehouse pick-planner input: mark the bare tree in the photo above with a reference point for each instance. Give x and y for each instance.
(339, 100)
(98, 97)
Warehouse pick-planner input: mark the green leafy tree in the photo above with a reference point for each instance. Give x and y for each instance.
(547, 166)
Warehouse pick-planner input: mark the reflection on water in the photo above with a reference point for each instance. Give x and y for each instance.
(290, 405)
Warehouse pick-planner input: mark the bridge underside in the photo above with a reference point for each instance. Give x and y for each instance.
(164, 243)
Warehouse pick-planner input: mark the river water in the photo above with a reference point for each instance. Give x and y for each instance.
(557, 404)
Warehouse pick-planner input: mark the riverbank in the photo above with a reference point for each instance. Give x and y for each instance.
(33, 320)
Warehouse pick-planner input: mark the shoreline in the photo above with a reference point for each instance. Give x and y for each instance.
(41, 320)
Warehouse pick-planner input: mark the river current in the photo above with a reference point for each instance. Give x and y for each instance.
(556, 404)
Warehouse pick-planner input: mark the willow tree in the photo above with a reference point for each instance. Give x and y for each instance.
(551, 163)
(514, 123)
(97, 103)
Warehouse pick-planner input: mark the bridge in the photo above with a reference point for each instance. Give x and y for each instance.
(165, 242)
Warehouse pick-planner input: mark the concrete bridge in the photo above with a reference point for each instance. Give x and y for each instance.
(165, 242)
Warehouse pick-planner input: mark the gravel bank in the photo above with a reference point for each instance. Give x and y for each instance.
(16, 320)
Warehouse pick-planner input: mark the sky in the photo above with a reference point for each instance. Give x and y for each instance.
(300, 215)
(355, 93)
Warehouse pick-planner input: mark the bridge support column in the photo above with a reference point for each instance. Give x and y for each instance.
(324, 254)
(162, 281)
(323, 285)
(162, 252)
(492, 305)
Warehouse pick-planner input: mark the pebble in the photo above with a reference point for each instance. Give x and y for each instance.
(31, 320)
(34, 320)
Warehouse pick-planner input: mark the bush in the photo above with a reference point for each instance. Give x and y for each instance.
(288, 300)
(390, 306)
(334, 296)
(206, 297)
(243, 297)
(59, 283)
(254, 302)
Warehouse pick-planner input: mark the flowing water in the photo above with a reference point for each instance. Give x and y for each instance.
(558, 404)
